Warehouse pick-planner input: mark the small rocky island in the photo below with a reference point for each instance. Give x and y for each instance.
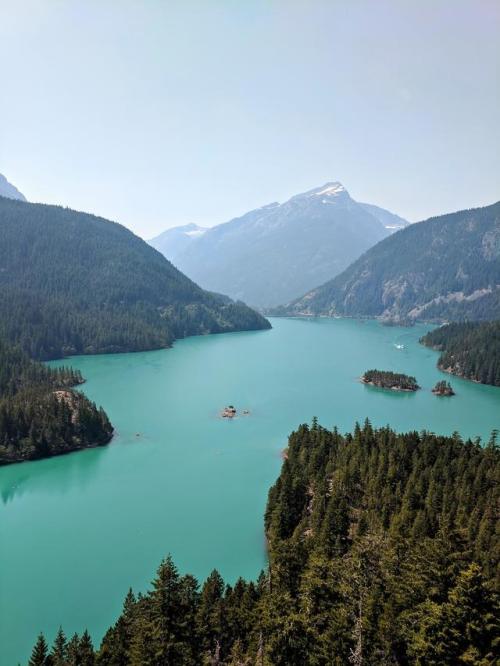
(230, 412)
(443, 388)
(394, 381)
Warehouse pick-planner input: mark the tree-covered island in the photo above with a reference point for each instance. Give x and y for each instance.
(396, 381)
(443, 388)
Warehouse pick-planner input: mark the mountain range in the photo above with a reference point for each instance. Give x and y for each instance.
(445, 268)
(275, 253)
(73, 283)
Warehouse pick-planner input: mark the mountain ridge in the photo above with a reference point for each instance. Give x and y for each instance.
(9, 191)
(276, 252)
(390, 220)
(176, 239)
(73, 283)
(443, 268)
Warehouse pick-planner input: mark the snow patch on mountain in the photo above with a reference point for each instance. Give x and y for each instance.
(196, 232)
(329, 190)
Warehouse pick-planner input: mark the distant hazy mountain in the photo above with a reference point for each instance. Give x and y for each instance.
(391, 221)
(73, 283)
(175, 240)
(446, 268)
(275, 253)
(8, 190)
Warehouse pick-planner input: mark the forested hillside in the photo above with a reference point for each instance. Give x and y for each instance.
(383, 550)
(73, 283)
(470, 350)
(446, 268)
(40, 415)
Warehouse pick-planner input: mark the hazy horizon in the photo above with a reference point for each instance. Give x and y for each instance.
(158, 115)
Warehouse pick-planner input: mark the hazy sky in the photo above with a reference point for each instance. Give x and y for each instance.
(156, 113)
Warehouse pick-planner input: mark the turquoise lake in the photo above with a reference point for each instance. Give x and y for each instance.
(77, 531)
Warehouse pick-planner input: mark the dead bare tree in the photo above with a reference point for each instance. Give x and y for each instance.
(356, 656)
(259, 661)
(214, 659)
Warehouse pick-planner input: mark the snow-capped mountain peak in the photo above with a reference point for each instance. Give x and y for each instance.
(273, 254)
(329, 190)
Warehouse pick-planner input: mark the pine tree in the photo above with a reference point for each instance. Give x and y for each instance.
(59, 649)
(73, 651)
(335, 529)
(238, 656)
(143, 650)
(86, 650)
(210, 612)
(471, 620)
(39, 653)
(292, 641)
(170, 643)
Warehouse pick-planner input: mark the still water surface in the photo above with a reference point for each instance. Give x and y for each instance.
(78, 530)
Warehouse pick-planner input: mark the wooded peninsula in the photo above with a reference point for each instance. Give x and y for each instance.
(470, 350)
(40, 414)
(383, 549)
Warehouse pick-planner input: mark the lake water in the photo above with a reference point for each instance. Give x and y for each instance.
(78, 530)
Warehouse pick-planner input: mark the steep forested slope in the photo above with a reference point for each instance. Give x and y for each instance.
(39, 415)
(470, 350)
(383, 550)
(446, 268)
(75, 283)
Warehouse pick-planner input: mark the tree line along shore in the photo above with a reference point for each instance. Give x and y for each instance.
(383, 549)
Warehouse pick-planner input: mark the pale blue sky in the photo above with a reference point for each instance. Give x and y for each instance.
(155, 113)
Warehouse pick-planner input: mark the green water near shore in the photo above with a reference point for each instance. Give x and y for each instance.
(78, 530)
